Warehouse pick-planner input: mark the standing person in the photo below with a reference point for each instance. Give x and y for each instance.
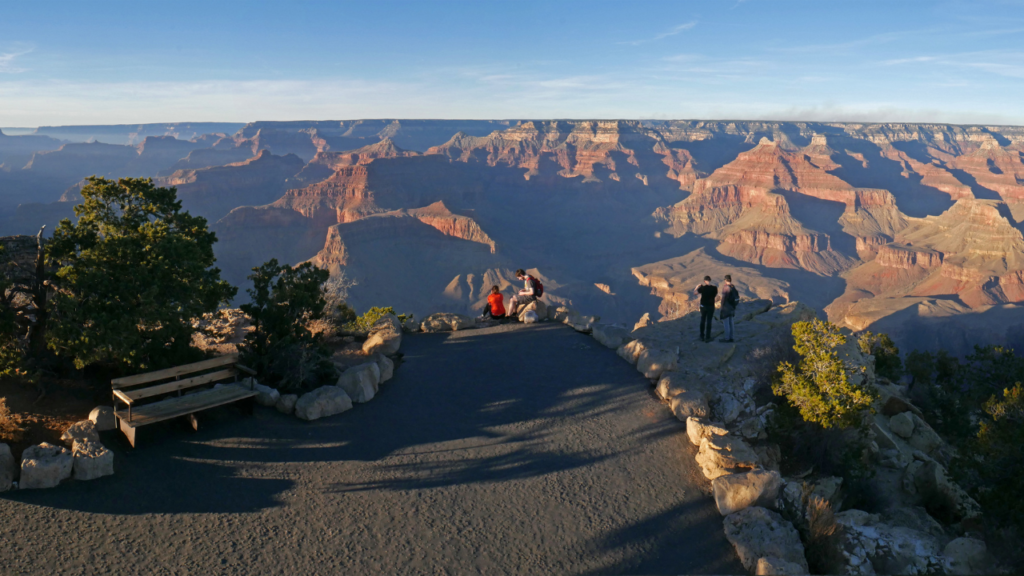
(495, 308)
(708, 292)
(526, 295)
(730, 298)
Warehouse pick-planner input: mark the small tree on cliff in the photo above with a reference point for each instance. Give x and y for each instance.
(887, 355)
(132, 274)
(283, 302)
(820, 387)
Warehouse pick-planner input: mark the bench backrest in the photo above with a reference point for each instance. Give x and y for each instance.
(141, 386)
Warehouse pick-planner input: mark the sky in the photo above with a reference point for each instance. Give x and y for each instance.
(96, 62)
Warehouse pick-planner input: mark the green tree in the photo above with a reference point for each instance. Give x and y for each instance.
(820, 387)
(281, 348)
(11, 352)
(887, 355)
(990, 465)
(132, 274)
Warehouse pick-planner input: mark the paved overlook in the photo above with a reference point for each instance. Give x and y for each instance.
(516, 449)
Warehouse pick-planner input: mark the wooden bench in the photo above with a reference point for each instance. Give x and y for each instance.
(156, 396)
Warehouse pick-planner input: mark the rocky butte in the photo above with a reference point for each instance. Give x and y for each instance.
(912, 229)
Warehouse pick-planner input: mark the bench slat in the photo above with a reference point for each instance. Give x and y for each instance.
(122, 397)
(159, 389)
(181, 405)
(129, 381)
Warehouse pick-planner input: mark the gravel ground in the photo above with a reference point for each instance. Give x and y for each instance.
(515, 449)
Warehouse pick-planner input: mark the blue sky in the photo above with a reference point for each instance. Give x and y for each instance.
(217, 60)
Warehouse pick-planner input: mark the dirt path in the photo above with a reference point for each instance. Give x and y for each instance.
(524, 450)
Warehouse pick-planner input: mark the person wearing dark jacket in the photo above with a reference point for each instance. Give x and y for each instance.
(730, 298)
(708, 292)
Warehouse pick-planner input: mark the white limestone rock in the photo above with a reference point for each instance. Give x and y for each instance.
(265, 395)
(653, 363)
(902, 424)
(80, 431)
(757, 533)
(966, 556)
(610, 335)
(386, 367)
(446, 322)
(322, 402)
(45, 466)
(699, 428)
(670, 385)
(92, 460)
(360, 382)
(630, 351)
(721, 455)
(581, 323)
(734, 492)
(102, 418)
(772, 566)
(385, 336)
(286, 403)
(689, 404)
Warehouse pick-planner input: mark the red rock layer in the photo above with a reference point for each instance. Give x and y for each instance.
(996, 168)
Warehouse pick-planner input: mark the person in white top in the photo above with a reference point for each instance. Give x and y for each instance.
(525, 296)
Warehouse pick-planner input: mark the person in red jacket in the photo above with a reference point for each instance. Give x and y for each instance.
(495, 305)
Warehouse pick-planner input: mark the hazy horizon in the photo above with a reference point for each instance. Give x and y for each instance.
(915, 62)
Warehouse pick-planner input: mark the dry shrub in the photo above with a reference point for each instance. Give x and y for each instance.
(824, 539)
(9, 429)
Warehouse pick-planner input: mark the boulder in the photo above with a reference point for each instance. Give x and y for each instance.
(734, 492)
(92, 460)
(671, 385)
(286, 403)
(539, 308)
(924, 437)
(385, 336)
(753, 428)
(653, 363)
(386, 367)
(770, 456)
(265, 395)
(7, 467)
(446, 322)
(902, 424)
(644, 321)
(727, 408)
(688, 404)
(560, 314)
(80, 431)
(942, 497)
(721, 455)
(966, 556)
(610, 335)
(529, 317)
(360, 382)
(757, 533)
(322, 402)
(772, 566)
(45, 466)
(699, 428)
(581, 323)
(102, 418)
(631, 350)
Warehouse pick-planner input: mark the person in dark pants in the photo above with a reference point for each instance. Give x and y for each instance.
(708, 292)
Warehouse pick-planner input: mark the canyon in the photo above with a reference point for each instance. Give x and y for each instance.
(911, 229)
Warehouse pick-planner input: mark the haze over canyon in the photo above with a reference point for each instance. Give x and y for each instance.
(910, 229)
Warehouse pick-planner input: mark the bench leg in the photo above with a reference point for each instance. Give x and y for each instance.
(247, 406)
(128, 431)
(193, 421)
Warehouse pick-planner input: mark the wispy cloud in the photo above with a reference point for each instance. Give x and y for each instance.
(675, 30)
(7, 59)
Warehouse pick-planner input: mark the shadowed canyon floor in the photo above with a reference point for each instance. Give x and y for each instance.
(515, 449)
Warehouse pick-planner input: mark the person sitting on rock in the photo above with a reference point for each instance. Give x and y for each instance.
(525, 296)
(495, 309)
(708, 292)
(730, 298)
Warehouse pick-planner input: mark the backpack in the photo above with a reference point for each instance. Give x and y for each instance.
(734, 297)
(538, 288)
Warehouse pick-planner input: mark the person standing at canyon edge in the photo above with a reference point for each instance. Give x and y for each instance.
(730, 299)
(525, 296)
(708, 292)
